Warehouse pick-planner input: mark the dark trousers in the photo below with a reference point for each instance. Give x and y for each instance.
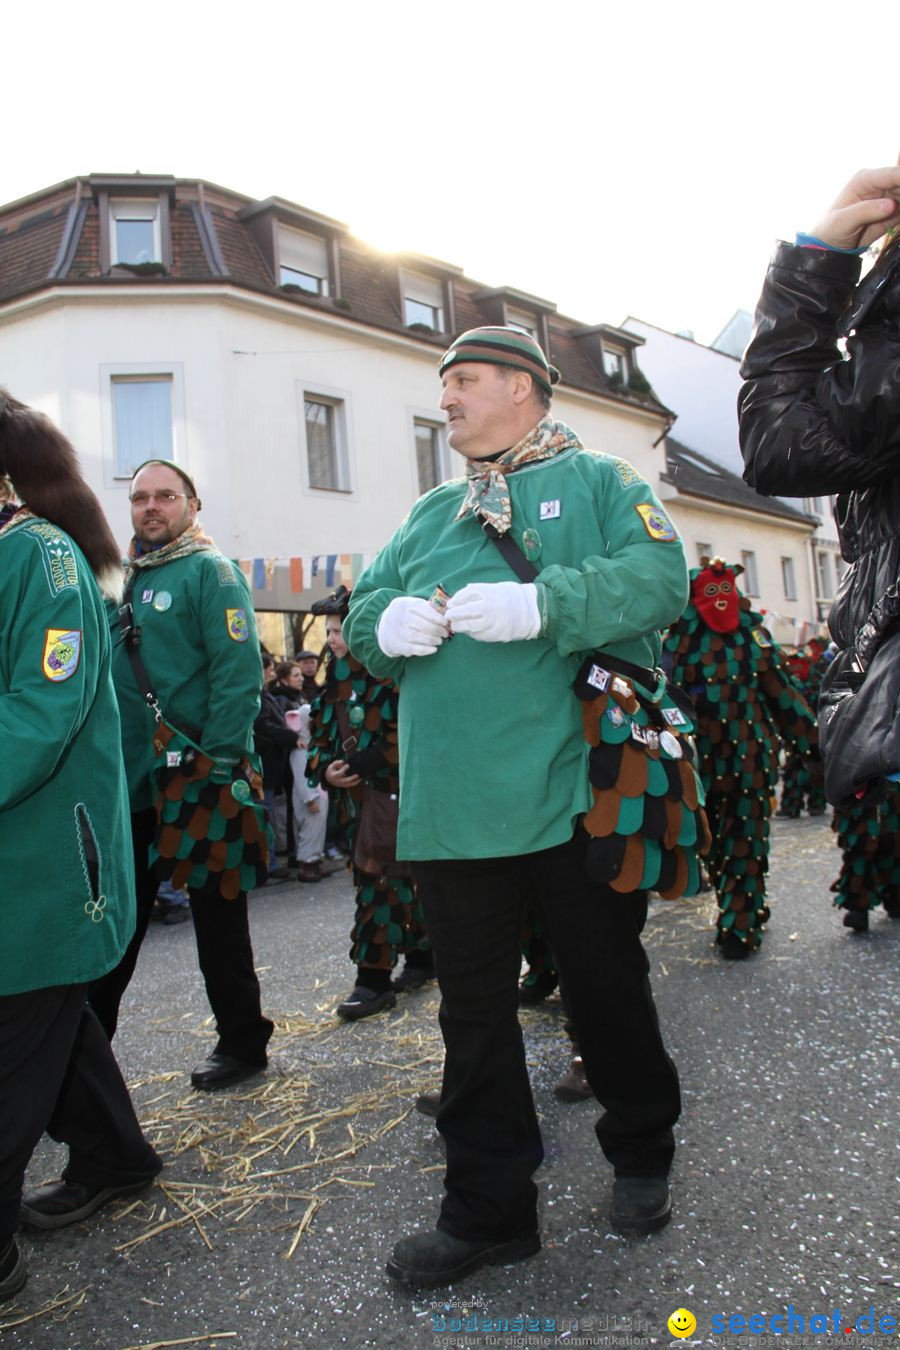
(58, 1073)
(222, 932)
(473, 914)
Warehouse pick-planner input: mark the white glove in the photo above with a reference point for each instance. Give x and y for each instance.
(411, 626)
(496, 611)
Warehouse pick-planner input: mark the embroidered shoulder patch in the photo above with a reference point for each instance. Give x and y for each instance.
(62, 652)
(238, 628)
(627, 474)
(60, 566)
(657, 523)
(225, 572)
(761, 637)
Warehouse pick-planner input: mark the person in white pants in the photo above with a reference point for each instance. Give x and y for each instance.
(310, 805)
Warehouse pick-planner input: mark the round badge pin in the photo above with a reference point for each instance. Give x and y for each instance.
(531, 542)
(240, 790)
(162, 601)
(356, 716)
(671, 745)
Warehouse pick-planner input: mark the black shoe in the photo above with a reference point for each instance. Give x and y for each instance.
(535, 988)
(13, 1271)
(219, 1070)
(733, 949)
(279, 874)
(412, 977)
(59, 1203)
(857, 919)
(364, 1002)
(640, 1204)
(176, 914)
(427, 1103)
(426, 1259)
(574, 1087)
(309, 872)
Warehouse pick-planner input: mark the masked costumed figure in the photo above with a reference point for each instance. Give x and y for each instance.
(803, 779)
(722, 654)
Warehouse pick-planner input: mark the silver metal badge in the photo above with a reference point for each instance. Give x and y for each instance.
(551, 510)
(146, 597)
(162, 601)
(599, 678)
(620, 686)
(671, 745)
(674, 716)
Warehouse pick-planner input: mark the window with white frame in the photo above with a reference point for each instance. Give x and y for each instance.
(303, 261)
(788, 578)
(423, 301)
(823, 575)
(703, 550)
(134, 232)
(326, 457)
(614, 364)
(429, 453)
(523, 320)
(142, 421)
(751, 582)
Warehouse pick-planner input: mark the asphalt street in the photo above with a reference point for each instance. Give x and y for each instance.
(282, 1197)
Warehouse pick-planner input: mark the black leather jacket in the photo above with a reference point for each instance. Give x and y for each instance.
(813, 423)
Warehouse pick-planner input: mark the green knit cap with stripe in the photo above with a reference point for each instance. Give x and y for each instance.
(502, 347)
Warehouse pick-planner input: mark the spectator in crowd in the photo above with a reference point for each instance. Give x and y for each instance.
(65, 848)
(309, 667)
(274, 740)
(820, 413)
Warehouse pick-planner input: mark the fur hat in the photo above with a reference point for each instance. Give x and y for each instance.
(44, 471)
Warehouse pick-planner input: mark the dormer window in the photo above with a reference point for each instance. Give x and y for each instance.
(423, 301)
(615, 364)
(521, 319)
(134, 232)
(303, 261)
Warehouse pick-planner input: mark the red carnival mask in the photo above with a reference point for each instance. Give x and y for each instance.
(715, 596)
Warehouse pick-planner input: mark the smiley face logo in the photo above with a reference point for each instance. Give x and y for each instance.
(682, 1323)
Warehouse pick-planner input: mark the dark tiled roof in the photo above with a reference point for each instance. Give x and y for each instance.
(33, 230)
(696, 476)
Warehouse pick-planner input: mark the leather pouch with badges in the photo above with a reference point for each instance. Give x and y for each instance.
(211, 830)
(647, 822)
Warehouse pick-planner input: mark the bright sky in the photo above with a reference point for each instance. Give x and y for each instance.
(619, 158)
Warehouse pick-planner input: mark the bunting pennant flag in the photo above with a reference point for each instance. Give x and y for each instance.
(259, 574)
(329, 569)
(270, 572)
(296, 570)
(357, 567)
(315, 565)
(246, 566)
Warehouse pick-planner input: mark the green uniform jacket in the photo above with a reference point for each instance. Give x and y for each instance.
(63, 802)
(201, 653)
(493, 761)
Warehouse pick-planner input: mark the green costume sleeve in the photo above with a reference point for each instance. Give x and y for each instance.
(379, 584)
(227, 626)
(637, 585)
(52, 651)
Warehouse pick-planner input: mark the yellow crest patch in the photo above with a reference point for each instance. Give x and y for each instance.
(238, 628)
(62, 652)
(657, 523)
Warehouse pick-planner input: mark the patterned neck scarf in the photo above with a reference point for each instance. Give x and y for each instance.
(11, 514)
(488, 492)
(193, 540)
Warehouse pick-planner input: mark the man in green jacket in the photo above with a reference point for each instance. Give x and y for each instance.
(191, 623)
(65, 849)
(494, 783)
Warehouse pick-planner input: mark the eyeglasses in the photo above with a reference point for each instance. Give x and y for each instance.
(164, 498)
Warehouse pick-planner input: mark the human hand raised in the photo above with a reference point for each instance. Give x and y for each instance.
(495, 611)
(410, 626)
(338, 774)
(860, 214)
